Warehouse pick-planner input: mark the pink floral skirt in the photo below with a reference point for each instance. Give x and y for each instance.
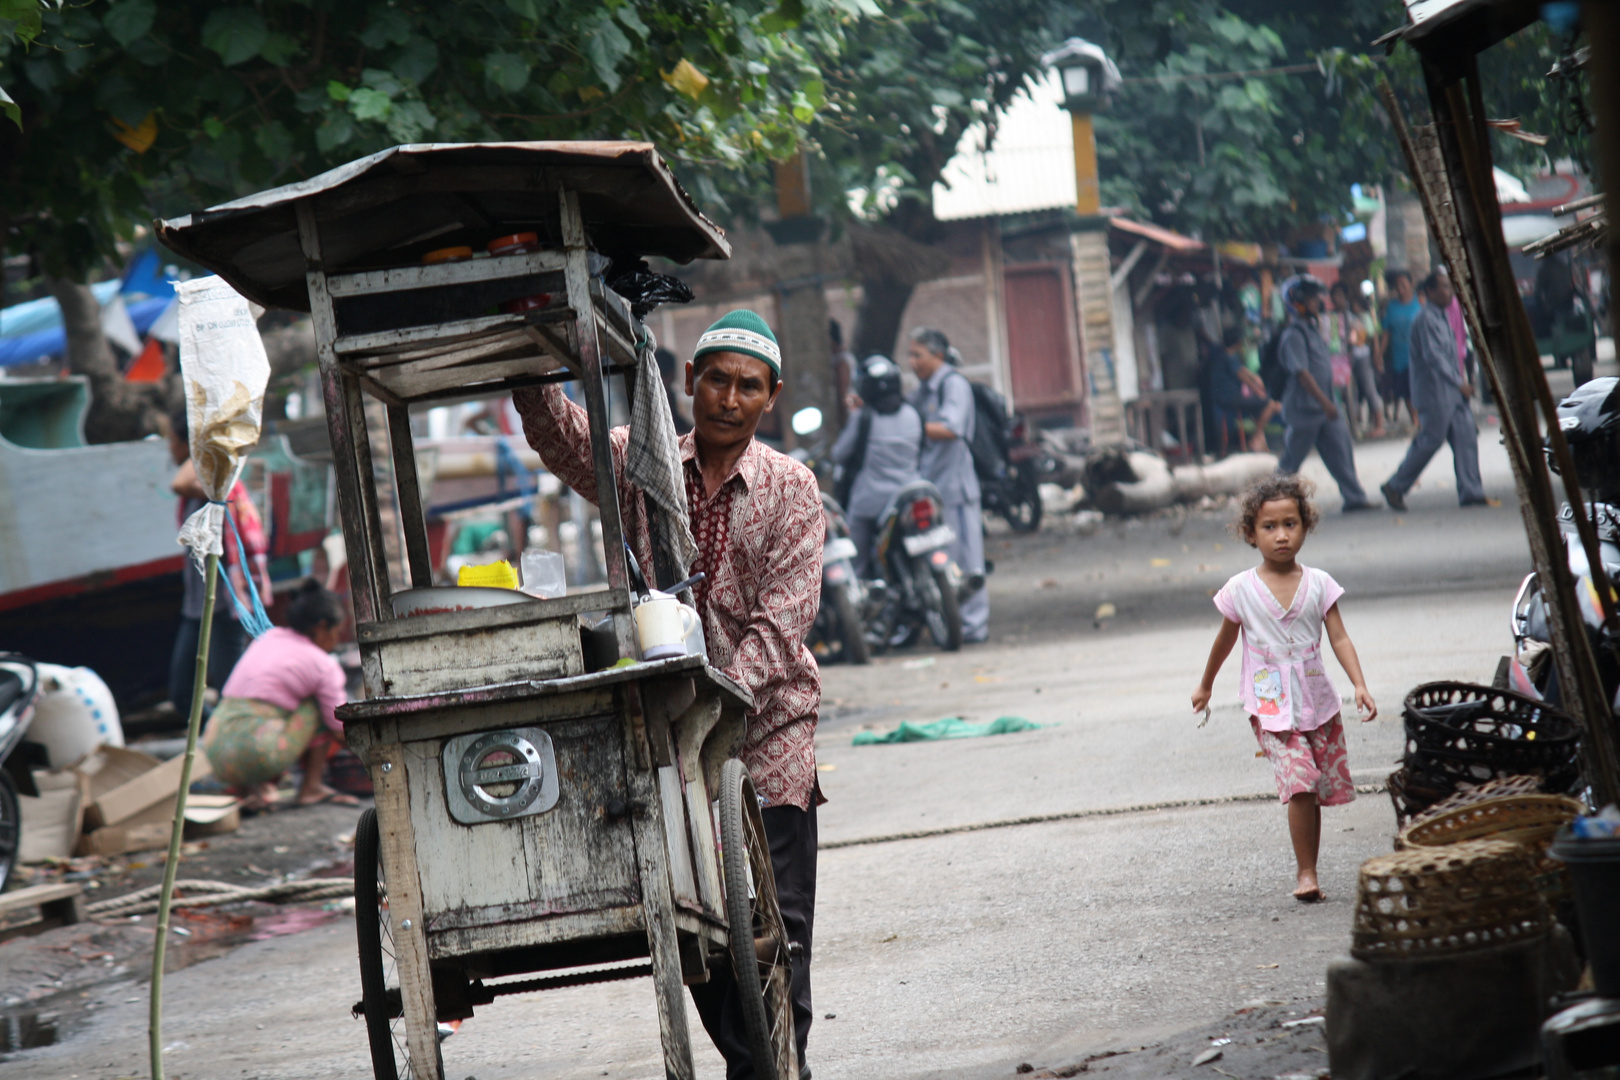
(1309, 762)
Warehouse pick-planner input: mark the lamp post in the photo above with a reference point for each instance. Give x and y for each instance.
(1090, 81)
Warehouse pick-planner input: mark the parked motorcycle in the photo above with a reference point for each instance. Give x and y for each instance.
(19, 692)
(1013, 490)
(839, 628)
(922, 586)
(1590, 421)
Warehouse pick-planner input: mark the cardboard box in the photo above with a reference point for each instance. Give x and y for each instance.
(209, 815)
(52, 820)
(130, 806)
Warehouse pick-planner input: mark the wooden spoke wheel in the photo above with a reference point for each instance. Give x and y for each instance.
(759, 946)
(379, 966)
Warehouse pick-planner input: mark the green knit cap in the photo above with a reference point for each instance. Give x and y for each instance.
(741, 331)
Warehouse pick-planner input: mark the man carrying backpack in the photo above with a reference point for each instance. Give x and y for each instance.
(1311, 418)
(945, 402)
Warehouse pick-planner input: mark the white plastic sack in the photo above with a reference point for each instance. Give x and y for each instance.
(225, 370)
(76, 714)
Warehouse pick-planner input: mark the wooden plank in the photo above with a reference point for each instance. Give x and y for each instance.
(401, 278)
(376, 389)
(512, 341)
(413, 519)
(411, 384)
(735, 700)
(389, 778)
(472, 866)
(37, 895)
(664, 700)
(451, 622)
(505, 714)
(545, 650)
(477, 940)
(436, 333)
(672, 798)
(353, 521)
(663, 942)
(592, 377)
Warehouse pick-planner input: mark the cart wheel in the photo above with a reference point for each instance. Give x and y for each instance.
(379, 966)
(759, 945)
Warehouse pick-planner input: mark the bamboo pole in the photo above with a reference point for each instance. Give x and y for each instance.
(199, 684)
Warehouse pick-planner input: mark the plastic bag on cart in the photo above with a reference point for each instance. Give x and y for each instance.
(224, 370)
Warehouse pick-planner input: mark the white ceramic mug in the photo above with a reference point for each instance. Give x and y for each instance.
(663, 624)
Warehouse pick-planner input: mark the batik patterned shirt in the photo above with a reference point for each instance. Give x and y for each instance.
(759, 540)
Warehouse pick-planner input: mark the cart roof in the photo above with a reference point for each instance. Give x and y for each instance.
(391, 207)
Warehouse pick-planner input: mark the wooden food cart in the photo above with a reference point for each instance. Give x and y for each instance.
(532, 814)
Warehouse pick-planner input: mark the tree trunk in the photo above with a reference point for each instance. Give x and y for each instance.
(877, 326)
(119, 411)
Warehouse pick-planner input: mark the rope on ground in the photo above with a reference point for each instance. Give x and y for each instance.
(211, 893)
(1070, 815)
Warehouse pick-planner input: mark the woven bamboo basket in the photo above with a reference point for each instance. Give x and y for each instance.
(1425, 902)
(1530, 821)
(1501, 787)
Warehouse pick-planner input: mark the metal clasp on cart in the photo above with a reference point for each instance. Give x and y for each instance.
(532, 816)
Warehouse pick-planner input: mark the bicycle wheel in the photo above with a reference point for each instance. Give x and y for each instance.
(379, 964)
(759, 945)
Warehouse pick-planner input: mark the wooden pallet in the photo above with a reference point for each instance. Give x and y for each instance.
(59, 905)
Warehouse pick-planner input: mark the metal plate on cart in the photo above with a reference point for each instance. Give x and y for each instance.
(500, 775)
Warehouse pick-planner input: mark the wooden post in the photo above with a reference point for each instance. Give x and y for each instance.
(1450, 181)
(658, 910)
(412, 506)
(590, 373)
(398, 844)
(345, 454)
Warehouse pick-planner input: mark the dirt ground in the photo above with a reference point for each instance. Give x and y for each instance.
(1139, 917)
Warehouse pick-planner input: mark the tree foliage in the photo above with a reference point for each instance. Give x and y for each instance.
(130, 107)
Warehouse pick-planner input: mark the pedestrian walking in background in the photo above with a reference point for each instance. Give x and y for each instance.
(1354, 327)
(1309, 414)
(1399, 314)
(1281, 608)
(876, 454)
(227, 638)
(945, 403)
(1441, 394)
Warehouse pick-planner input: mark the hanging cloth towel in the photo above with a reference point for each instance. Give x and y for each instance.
(653, 459)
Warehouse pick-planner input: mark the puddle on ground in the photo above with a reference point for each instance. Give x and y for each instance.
(27, 1030)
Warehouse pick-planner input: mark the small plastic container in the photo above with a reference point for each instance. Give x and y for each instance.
(523, 243)
(447, 254)
(1594, 868)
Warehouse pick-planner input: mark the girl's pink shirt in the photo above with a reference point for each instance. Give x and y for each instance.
(1283, 682)
(285, 668)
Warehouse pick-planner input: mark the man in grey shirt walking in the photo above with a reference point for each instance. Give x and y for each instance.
(887, 454)
(1311, 418)
(1440, 396)
(945, 402)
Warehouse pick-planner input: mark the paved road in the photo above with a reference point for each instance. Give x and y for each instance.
(963, 954)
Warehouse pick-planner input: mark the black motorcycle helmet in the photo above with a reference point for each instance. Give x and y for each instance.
(1590, 421)
(880, 384)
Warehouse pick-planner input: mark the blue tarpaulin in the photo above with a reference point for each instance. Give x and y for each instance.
(32, 331)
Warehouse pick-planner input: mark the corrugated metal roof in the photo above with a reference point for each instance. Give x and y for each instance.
(1030, 168)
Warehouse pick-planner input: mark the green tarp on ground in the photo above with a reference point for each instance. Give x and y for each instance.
(952, 727)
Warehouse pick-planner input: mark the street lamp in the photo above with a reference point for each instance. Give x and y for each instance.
(1090, 81)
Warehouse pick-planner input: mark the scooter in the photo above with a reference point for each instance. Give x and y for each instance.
(1590, 421)
(922, 586)
(1014, 489)
(839, 628)
(19, 692)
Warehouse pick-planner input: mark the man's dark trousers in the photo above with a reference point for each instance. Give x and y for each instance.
(792, 835)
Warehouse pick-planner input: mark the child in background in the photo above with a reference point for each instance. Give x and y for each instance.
(1281, 608)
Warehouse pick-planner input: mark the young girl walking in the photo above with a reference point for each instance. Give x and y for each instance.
(1281, 607)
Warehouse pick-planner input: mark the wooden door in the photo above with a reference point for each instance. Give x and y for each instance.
(1042, 357)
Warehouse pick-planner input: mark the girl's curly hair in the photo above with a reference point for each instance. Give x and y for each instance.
(1273, 488)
